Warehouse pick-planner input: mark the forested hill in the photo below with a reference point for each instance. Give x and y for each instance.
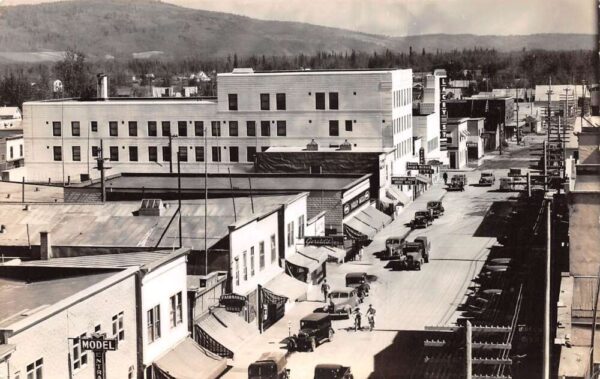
(138, 28)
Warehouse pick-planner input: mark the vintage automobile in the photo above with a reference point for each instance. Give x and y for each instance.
(456, 184)
(424, 241)
(487, 179)
(436, 207)
(512, 172)
(342, 300)
(270, 365)
(332, 371)
(412, 257)
(462, 178)
(357, 279)
(513, 184)
(422, 219)
(314, 330)
(393, 246)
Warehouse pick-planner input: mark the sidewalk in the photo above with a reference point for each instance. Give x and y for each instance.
(398, 227)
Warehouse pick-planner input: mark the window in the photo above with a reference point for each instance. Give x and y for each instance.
(97, 328)
(265, 101)
(56, 128)
(234, 154)
(118, 326)
(34, 370)
(152, 154)
(76, 153)
(80, 358)
(132, 128)
(290, 234)
(448, 141)
(75, 128)
(245, 265)
(11, 153)
(166, 128)
(252, 261)
(57, 150)
(199, 128)
(216, 154)
(281, 128)
(233, 128)
(113, 128)
(237, 273)
(94, 126)
(320, 100)
(273, 248)
(133, 153)
(233, 104)
(199, 153)
(183, 154)
(152, 128)
(114, 153)
(182, 128)
(265, 128)
(153, 323)
(301, 227)
(251, 128)
(348, 125)
(250, 153)
(166, 151)
(333, 100)
(261, 255)
(280, 100)
(216, 128)
(176, 314)
(95, 151)
(20, 150)
(334, 128)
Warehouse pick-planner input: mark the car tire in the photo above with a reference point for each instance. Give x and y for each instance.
(427, 259)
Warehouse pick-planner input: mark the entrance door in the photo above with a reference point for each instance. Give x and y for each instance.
(453, 160)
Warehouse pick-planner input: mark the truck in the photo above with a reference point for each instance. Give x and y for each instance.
(393, 246)
(436, 207)
(412, 257)
(424, 241)
(456, 184)
(271, 365)
(487, 179)
(422, 219)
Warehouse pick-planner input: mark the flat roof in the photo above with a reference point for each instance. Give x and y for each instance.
(259, 182)
(137, 259)
(114, 224)
(327, 149)
(584, 244)
(251, 72)
(8, 133)
(128, 100)
(21, 298)
(587, 183)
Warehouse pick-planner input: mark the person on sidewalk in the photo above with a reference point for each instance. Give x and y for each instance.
(371, 317)
(325, 288)
(360, 253)
(445, 176)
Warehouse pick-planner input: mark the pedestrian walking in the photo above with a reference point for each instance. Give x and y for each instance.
(371, 317)
(445, 176)
(360, 253)
(357, 319)
(325, 288)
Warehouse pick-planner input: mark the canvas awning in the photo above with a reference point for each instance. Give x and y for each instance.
(335, 253)
(318, 253)
(357, 229)
(303, 261)
(423, 179)
(287, 286)
(380, 218)
(227, 328)
(187, 360)
(396, 196)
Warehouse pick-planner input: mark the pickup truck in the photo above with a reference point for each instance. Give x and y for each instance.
(487, 179)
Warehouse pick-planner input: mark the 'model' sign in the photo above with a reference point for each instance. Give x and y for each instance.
(96, 344)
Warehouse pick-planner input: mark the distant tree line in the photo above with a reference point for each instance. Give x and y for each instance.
(19, 83)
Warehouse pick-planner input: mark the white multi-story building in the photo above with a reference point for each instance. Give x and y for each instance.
(253, 111)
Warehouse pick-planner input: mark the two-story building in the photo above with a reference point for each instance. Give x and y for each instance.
(10, 118)
(457, 135)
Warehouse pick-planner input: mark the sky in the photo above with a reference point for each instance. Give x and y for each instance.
(413, 17)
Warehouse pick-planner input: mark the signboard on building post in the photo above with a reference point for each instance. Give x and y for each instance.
(404, 180)
(443, 114)
(421, 156)
(99, 345)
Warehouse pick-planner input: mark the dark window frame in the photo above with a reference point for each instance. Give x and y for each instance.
(167, 155)
(113, 128)
(251, 128)
(152, 129)
(133, 128)
(334, 100)
(77, 155)
(334, 128)
(94, 126)
(199, 157)
(75, 128)
(265, 128)
(56, 128)
(320, 100)
(234, 129)
(281, 128)
(215, 126)
(280, 101)
(57, 153)
(153, 151)
(233, 101)
(199, 128)
(182, 152)
(265, 101)
(182, 127)
(133, 154)
(216, 153)
(165, 127)
(348, 124)
(113, 152)
(234, 154)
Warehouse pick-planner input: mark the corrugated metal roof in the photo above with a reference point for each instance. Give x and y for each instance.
(105, 260)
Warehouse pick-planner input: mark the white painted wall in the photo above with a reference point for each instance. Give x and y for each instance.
(293, 212)
(17, 148)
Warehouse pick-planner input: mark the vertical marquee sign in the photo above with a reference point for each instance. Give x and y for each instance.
(99, 345)
(443, 114)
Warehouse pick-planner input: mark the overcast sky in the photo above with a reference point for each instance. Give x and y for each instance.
(410, 17)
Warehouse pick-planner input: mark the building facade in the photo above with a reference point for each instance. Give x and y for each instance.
(457, 142)
(252, 112)
(10, 118)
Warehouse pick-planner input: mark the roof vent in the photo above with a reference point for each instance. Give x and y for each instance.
(242, 71)
(346, 145)
(312, 145)
(151, 207)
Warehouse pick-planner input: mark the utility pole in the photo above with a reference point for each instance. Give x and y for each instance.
(469, 351)
(549, 92)
(545, 152)
(179, 199)
(567, 102)
(171, 136)
(204, 131)
(517, 103)
(547, 294)
(594, 314)
(100, 165)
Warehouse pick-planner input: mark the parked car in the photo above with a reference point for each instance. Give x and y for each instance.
(462, 178)
(514, 172)
(393, 246)
(513, 184)
(332, 371)
(424, 241)
(314, 330)
(342, 300)
(412, 257)
(271, 365)
(356, 279)
(422, 219)
(487, 178)
(456, 184)
(436, 207)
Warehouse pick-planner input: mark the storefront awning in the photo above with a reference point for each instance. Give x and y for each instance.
(227, 328)
(318, 253)
(187, 360)
(336, 253)
(379, 218)
(423, 179)
(287, 286)
(396, 195)
(357, 229)
(303, 261)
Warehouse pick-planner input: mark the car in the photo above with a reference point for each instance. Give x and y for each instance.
(412, 257)
(342, 300)
(358, 280)
(461, 178)
(332, 371)
(487, 178)
(514, 172)
(422, 219)
(314, 330)
(393, 245)
(436, 207)
(424, 241)
(456, 184)
(270, 365)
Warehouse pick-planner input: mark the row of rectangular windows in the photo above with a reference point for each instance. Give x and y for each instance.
(400, 124)
(153, 317)
(261, 260)
(199, 154)
(265, 128)
(404, 148)
(280, 101)
(402, 97)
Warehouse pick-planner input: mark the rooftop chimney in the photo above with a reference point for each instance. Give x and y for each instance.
(312, 146)
(45, 246)
(102, 87)
(346, 145)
